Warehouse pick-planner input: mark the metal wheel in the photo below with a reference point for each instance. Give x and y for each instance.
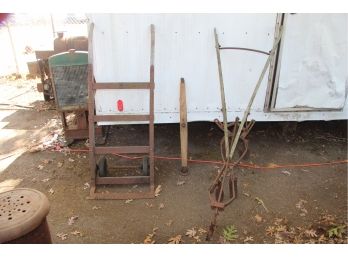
(102, 167)
(47, 96)
(145, 167)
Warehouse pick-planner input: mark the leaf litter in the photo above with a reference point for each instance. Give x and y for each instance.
(175, 239)
(72, 220)
(158, 190)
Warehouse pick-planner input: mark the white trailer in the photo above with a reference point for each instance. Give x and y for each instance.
(307, 78)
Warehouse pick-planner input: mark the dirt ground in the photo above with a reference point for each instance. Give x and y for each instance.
(300, 204)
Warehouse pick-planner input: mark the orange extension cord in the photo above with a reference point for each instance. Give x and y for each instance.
(243, 165)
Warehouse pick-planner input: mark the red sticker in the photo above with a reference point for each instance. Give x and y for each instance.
(120, 105)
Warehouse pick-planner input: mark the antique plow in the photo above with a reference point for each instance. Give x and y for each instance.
(226, 177)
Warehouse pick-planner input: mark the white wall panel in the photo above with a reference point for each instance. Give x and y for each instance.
(185, 48)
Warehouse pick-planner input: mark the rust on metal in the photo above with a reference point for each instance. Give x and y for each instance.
(121, 118)
(122, 85)
(239, 132)
(244, 49)
(23, 214)
(103, 150)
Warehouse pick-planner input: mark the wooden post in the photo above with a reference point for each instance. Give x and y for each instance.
(183, 127)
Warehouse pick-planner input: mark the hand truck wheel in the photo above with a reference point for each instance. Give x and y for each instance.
(102, 167)
(145, 167)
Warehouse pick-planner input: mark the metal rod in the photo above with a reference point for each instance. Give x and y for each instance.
(152, 111)
(244, 49)
(53, 29)
(247, 110)
(222, 90)
(13, 48)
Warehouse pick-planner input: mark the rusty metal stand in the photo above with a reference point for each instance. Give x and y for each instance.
(103, 150)
(240, 131)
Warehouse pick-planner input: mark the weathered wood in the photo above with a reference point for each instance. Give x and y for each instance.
(122, 180)
(119, 117)
(121, 149)
(122, 85)
(222, 92)
(183, 127)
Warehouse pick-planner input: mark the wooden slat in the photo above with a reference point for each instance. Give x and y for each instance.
(110, 118)
(122, 180)
(121, 149)
(183, 126)
(122, 85)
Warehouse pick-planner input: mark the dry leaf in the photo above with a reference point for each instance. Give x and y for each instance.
(322, 239)
(76, 233)
(270, 230)
(300, 204)
(327, 219)
(272, 165)
(258, 218)
(148, 239)
(310, 233)
(197, 238)
(158, 190)
(298, 240)
(72, 220)
(202, 231)
(86, 186)
(59, 164)
(246, 194)
(40, 167)
(129, 201)
(51, 191)
(169, 223)
(191, 232)
(278, 239)
(46, 161)
(180, 183)
(71, 160)
(150, 205)
(175, 240)
(286, 172)
(62, 236)
(96, 207)
(278, 221)
(161, 206)
(45, 180)
(281, 228)
(248, 239)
